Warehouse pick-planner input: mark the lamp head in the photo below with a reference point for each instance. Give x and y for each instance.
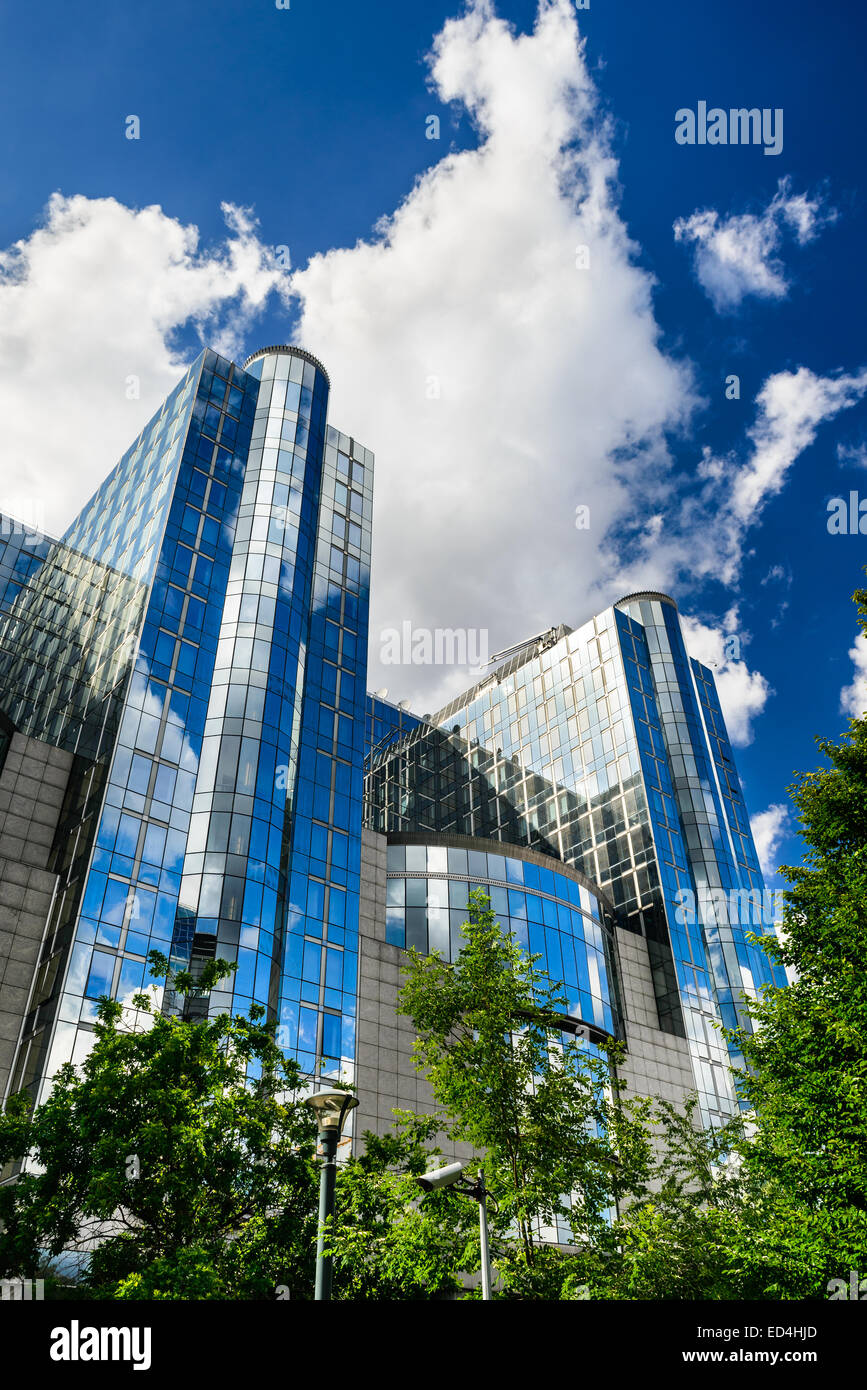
(331, 1108)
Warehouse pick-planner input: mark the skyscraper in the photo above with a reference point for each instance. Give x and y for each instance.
(197, 642)
(189, 762)
(605, 748)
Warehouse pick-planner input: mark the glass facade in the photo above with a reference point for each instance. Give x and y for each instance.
(320, 960)
(701, 829)
(198, 640)
(605, 748)
(548, 910)
(384, 724)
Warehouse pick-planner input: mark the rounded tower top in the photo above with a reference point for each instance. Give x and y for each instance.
(646, 594)
(293, 351)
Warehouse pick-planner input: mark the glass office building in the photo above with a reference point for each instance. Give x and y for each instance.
(198, 641)
(605, 748)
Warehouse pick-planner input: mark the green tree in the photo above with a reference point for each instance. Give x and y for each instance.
(537, 1104)
(673, 1238)
(775, 1207)
(388, 1243)
(187, 1178)
(807, 1058)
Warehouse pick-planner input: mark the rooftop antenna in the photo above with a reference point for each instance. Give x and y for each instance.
(543, 638)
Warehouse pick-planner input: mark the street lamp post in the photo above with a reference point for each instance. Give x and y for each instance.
(453, 1175)
(481, 1195)
(330, 1109)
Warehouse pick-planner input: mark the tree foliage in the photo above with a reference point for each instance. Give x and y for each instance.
(780, 1208)
(806, 1081)
(387, 1242)
(179, 1160)
(179, 1156)
(537, 1103)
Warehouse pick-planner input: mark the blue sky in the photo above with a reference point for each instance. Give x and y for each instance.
(314, 118)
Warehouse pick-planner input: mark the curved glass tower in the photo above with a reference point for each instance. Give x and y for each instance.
(198, 640)
(234, 886)
(605, 749)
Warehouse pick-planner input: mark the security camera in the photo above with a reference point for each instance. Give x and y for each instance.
(441, 1177)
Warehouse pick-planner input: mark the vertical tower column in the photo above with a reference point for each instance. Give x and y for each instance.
(320, 961)
(232, 899)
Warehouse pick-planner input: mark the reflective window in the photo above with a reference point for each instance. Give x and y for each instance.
(428, 914)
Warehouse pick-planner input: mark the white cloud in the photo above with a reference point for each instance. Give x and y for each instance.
(553, 390)
(791, 406)
(769, 828)
(706, 530)
(853, 698)
(743, 693)
(852, 455)
(545, 371)
(777, 575)
(499, 385)
(94, 296)
(737, 256)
